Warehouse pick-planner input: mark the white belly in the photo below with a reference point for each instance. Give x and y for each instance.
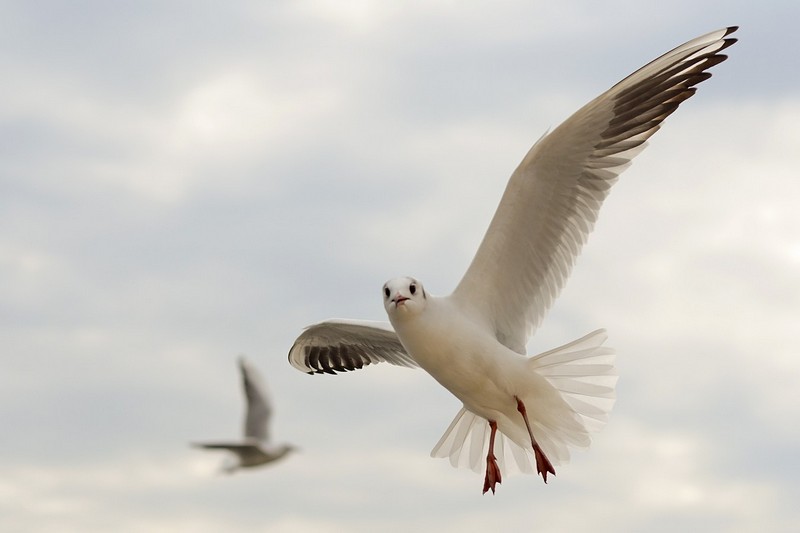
(471, 364)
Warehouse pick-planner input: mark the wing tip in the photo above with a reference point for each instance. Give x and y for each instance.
(727, 41)
(332, 360)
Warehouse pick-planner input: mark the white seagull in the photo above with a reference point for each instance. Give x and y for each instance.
(473, 341)
(254, 449)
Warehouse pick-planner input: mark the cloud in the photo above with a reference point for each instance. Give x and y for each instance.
(174, 194)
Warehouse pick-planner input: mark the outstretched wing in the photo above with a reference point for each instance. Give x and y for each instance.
(259, 410)
(340, 345)
(552, 199)
(237, 447)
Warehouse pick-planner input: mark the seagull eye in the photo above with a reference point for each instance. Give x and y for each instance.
(386, 291)
(412, 288)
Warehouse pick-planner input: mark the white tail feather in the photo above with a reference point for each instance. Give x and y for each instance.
(466, 444)
(582, 372)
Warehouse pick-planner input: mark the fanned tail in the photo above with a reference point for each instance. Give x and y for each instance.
(466, 443)
(582, 372)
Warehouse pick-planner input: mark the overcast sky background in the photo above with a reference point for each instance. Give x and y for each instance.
(183, 182)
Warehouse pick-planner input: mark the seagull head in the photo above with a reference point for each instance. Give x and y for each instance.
(402, 296)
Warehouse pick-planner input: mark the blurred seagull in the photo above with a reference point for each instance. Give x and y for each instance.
(254, 449)
(473, 341)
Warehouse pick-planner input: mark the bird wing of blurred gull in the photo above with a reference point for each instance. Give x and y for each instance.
(254, 448)
(258, 411)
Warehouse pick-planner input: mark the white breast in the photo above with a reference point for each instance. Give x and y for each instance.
(462, 355)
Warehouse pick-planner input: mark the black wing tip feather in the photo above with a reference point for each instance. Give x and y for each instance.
(727, 41)
(328, 359)
(640, 108)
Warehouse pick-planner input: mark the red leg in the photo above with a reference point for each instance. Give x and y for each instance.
(492, 470)
(543, 465)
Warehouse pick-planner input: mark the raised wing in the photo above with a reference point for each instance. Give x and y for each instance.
(259, 411)
(341, 345)
(552, 199)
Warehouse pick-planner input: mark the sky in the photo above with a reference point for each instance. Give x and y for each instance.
(185, 182)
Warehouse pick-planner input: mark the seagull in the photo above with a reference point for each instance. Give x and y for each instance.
(254, 449)
(473, 342)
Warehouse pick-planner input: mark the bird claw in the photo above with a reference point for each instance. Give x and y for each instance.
(492, 475)
(543, 464)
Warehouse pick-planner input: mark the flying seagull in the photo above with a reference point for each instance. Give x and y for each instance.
(254, 449)
(473, 341)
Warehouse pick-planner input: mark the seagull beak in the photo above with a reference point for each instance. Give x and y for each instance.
(398, 300)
